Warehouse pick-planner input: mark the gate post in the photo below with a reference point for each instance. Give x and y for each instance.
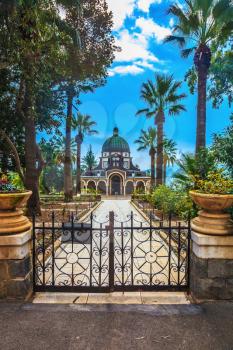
(211, 267)
(111, 251)
(16, 266)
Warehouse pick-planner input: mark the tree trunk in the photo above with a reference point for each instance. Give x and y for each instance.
(68, 181)
(202, 61)
(152, 157)
(201, 108)
(164, 172)
(78, 175)
(159, 165)
(31, 173)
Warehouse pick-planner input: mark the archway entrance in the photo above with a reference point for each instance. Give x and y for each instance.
(116, 185)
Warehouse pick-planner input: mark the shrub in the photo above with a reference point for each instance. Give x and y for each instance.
(171, 201)
(215, 182)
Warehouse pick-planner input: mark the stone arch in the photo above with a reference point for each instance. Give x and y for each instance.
(140, 186)
(102, 187)
(129, 187)
(91, 185)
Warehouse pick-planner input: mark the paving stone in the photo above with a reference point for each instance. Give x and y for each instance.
(110, 299)
(164, 298)
(60, 298)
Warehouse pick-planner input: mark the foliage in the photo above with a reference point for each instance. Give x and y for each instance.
(169, 155)
(58, 146)
(216, 182)
(89, 162)
(173, 202)
(161, 97)
(83, 125)
(147, 140)
(200, 26)
(223, 147)
(191, 167)
(200, 22)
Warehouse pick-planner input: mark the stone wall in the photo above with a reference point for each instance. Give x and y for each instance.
(16, 278)
(16, 266)
(211, 279)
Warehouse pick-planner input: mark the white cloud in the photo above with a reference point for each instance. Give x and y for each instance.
(133, 69)
(133, 47)
(144, 5)
(121, 9)
(135, 55)
(149, 28)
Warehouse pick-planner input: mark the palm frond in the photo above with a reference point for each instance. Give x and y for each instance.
(180, 40)
(176, 109)
(185, 53)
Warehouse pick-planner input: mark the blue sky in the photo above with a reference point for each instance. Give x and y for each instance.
(140, 27)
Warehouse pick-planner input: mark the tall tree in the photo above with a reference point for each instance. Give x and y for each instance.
(169, 155)
(148, 141)
(30, 47)
(92, 54)
(161, 97)
(199, 23)
(83, 126)
(223, 147)
(220, 77)
(59, 150)
(89, 162)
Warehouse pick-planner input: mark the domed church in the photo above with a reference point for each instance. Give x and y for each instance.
(116, 174)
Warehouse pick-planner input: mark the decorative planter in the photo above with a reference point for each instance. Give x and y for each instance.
(212, 219)
(11, 216)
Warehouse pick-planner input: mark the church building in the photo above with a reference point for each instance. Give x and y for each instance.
(116, 174)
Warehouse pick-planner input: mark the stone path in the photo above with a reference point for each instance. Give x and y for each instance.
(121, 208)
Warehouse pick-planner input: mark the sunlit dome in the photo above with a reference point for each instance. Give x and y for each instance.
(116, 143)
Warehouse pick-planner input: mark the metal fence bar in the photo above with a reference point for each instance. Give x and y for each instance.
(111, 251)
(53, 251)
(175, 237)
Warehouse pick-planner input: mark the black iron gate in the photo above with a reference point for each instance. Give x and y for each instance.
(111, 256)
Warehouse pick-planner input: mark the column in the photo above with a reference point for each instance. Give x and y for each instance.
(211, 275)
(16, 266)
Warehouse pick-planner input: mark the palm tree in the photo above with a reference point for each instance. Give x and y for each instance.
(169, 155)
(161, 97)
(193, 167)
(147, 140)
(83, 124)
(200, 23)
(59, 150)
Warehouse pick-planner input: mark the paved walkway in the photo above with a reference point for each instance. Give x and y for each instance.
(116, 327)
(121, 208)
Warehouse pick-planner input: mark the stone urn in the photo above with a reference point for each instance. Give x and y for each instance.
(212, 219)
(12, 219)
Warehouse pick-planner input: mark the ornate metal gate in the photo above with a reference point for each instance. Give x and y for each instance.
(111, 256)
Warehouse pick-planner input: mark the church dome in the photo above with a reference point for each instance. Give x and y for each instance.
(116, 143)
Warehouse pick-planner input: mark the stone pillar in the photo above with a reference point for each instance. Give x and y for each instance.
(211, 267)
(15, 266)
